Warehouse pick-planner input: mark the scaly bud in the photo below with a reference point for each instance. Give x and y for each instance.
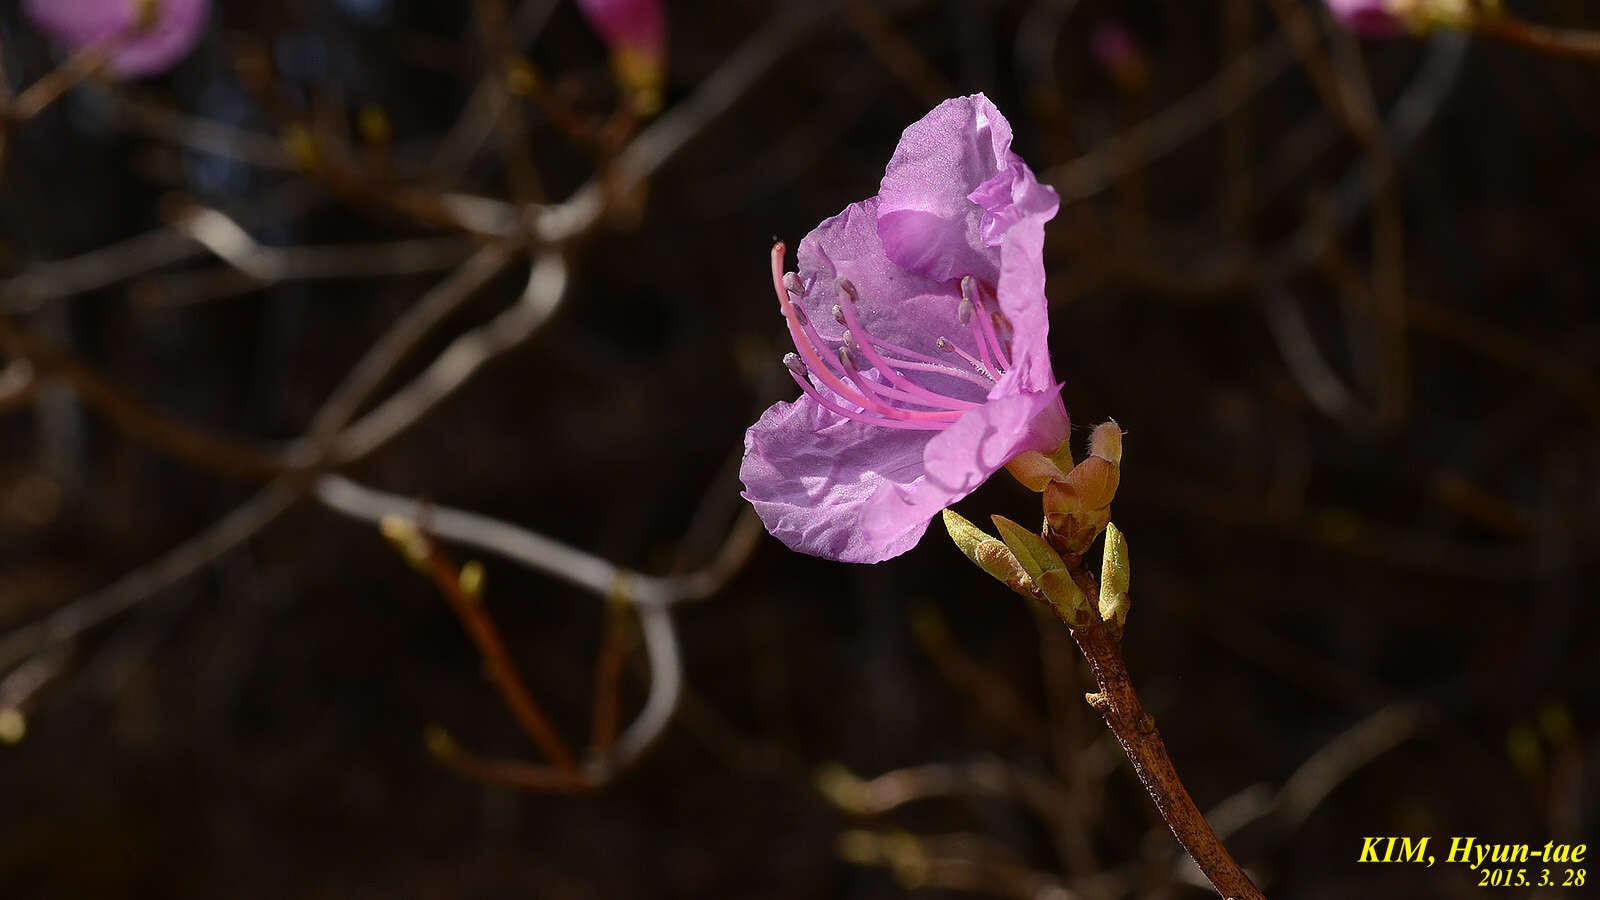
(1106, 442)
(1115, 576)
(1078, 507)
(1386, 18)
(1037, 470)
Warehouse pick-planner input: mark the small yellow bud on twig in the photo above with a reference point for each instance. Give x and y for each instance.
(439, 742)
(13, 726)
(407, 539)
(471, 580)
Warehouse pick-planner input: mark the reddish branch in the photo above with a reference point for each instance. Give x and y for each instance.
(1135, 729)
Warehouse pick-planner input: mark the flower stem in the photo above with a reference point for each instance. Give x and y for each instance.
(1118, 702)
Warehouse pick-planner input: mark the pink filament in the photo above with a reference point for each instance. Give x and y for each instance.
(990, 339)
(878, 402)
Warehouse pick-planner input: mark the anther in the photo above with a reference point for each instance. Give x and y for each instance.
(945, 345)
(838, 315)
(848, 288)
(857, 358)
(800, 314)
(964, 311)
(1002, 326)
(791, 283)
(792, 360)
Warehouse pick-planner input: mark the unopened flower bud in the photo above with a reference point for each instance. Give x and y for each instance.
(141, 37)
(636, 32)
(1037, 471)
(1106, 441)
(1095, 480)
(1114, 48)
(1369, 18)
(1386, 18)
(1078, 507)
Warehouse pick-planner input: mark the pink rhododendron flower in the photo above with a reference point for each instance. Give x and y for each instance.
(1373, 18)
(636, 32)
(919, 321)
(634, 24)
(1117, 51)
(144, 36)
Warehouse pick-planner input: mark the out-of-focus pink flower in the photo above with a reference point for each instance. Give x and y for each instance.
(1115, 49)
(1372, 18)
(920, 324)
(636, 32)
(145, 37)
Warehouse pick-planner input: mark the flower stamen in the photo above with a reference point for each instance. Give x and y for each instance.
(950, 346)
(840, 367)
(875, 349)
(984, 330)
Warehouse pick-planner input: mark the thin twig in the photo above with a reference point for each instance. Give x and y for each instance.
(1135, 729)
(1118, 702)
(986, 778)
(232, 244)
(464, 357)
(549, 556)
(84, 613)
(80, 67)
(42, 282)
(1098, 169)
(608, 678)
(652, 596)
(896, 52)
(485, 636)
(1541, 38)
(494, 36)
(134, 419)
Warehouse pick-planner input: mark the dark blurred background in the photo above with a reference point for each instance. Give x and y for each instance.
(1339, 293)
